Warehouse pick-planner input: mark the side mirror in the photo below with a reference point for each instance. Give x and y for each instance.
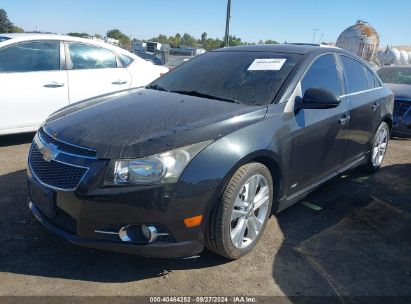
(318, 99)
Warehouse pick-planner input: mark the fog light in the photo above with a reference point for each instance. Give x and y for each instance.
(125, 233)
(150, 233)
(140, 233)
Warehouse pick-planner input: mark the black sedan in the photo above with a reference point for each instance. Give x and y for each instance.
(398, 79)
(208, 152)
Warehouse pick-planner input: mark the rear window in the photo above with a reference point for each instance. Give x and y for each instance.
(252, 78)
(355, 77)
(395, 75)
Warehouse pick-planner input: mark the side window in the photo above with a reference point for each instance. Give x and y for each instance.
(370, 78)
(33, 56)
(322, 74)
(377, 83)
(355, 76)
(84, 56)
(125, 60)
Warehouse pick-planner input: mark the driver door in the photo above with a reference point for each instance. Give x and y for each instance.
(320, 136)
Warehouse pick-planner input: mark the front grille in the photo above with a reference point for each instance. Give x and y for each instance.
(63, 147)
(400, 108)
(53, 173)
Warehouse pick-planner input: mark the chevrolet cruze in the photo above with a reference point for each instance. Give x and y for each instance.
(206, 153)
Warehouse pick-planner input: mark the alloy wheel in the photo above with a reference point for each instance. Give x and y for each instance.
(249, 211)
(380, 146)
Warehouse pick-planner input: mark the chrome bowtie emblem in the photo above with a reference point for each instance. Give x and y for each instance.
(49, 152)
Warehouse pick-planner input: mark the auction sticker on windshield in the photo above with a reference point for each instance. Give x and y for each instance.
(267, 64)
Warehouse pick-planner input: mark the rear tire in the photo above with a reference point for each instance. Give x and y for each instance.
(378, 148)
(237, 222)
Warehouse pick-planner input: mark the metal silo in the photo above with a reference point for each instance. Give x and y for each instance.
(361, 39)
(404, 57)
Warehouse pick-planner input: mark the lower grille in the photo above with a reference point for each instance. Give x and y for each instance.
(55, 174)
(400, 108)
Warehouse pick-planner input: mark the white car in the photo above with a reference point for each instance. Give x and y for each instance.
(40, 73)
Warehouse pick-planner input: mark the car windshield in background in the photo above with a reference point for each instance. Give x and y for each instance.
(2, 38)
(252, 78)
(395, 75)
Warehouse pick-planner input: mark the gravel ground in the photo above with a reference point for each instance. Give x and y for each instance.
(358, 244)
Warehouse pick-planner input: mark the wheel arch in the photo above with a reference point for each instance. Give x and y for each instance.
(388, 120)
(269, 159)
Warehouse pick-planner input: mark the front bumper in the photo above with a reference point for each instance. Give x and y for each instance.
(80, 218)
(167, 250)
(67, 195)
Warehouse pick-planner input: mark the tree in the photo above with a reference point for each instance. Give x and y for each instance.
(175, 41)
(6, 26)
(204, 39)
(213, 44)
(234, 41)
(17, 29)
(269, 41)
(124, 40)
(98, 36)
(81, 35)
(188, 40)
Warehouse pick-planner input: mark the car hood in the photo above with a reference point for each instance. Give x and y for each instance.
(401, 91)
(139, 123)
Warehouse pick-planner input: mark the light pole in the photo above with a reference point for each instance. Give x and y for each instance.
(314, 33)
(227, 25)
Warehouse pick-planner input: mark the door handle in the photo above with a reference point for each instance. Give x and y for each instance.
(375, 106)
(54, 84)
(119, 81)
(344, 119)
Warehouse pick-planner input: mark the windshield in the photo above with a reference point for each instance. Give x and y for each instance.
(395, 75)
(2, 38)
(252, 78)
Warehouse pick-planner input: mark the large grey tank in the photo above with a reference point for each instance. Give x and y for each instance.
(361, 39)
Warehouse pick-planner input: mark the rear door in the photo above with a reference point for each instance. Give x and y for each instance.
(94, 71)
(33, 84)
(320, 138)
(364, 107)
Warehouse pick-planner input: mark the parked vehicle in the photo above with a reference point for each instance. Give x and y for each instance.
(206, 153)
(175, 61)
(398, 79)
(40, 73)
(149, 57)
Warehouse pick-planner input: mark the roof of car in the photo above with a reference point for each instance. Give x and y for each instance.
(407, 66)
(44, 36)
(298, 48)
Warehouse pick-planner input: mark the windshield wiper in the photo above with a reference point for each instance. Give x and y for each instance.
(156, 87)
(210, 96)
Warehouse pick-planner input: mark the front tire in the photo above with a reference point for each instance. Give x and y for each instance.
(378, 148)
(239, 219)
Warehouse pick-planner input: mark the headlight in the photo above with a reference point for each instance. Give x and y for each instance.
(159, 168)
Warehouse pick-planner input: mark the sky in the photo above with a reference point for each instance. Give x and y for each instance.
(291, 21)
